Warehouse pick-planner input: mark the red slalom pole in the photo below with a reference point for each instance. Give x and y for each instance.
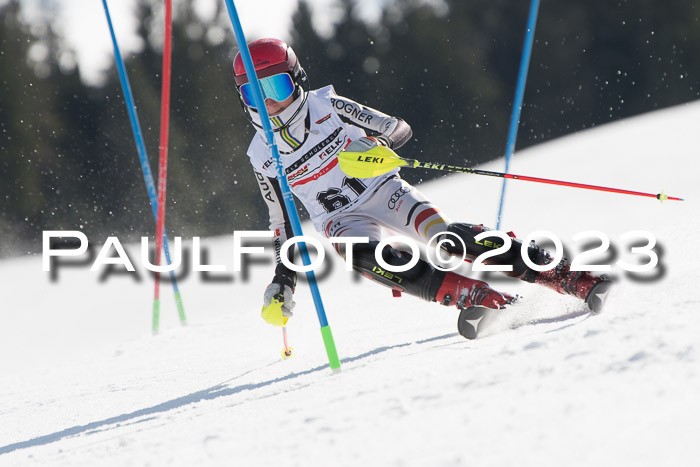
(163, 154)
(660, 196)
(391, 160)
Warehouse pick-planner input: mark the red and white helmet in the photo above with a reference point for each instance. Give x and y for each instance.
(273, 59)
(270, 57)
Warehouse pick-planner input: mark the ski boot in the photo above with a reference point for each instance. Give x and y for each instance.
(464, 293)
(593, 290)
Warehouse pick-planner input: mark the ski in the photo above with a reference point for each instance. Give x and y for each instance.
(474, 320)
(597, 296)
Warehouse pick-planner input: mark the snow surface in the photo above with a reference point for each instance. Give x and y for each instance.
(83, 381)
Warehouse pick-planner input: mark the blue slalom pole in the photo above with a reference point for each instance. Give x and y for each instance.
(143, 157)
(518, 100)
(286, 192)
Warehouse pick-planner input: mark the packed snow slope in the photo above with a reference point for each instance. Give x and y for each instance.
(84, 383)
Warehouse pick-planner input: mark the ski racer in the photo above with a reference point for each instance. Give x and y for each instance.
(311, 127)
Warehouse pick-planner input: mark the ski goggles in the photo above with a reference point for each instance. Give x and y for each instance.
(276, 87)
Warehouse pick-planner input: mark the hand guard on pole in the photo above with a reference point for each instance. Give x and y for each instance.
(278, 303)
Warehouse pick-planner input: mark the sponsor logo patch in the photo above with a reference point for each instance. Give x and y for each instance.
(298, 173)
(323, 119)
(386, 274)
(315, 150)
(396, 196)
(318, 174)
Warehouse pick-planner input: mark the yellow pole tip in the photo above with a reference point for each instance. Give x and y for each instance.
(661, 197)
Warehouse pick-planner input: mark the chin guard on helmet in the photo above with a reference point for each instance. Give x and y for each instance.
(301, 88)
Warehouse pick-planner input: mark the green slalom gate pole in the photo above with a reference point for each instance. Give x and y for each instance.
(328, 341)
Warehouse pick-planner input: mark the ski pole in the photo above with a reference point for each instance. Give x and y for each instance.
(380, 160)
(273, 314)
(287, 351)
